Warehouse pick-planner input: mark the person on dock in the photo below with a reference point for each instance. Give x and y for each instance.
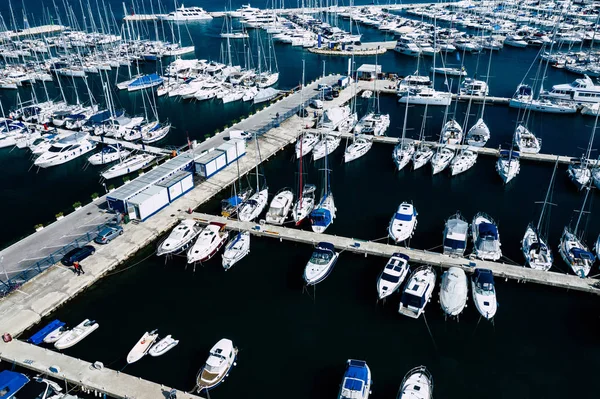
(78, 269)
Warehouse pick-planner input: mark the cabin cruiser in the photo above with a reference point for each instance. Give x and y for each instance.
(333, 117)
(463, 161)
(403, 223)
(252, 208)
(306, 142)
(417, 292)
(109, 154)
(526, 141)
(357, 381)
(359, 147)
(65, 150)
(484, 292)
(222, 358)
(424, 96)
(456, 235)
(372, 123)
(328, 144)
(479, 134)
(180, 238)
(163, 346)
(128, 165)
(582, 90)
(407, 46)
(508, 165)
(417, 384)
(451, 133)
(208, 243)
(280, 207)
(575, 253)
(321, 263)
(141, 347)
(236, 249)
(453, 291)
(393, 275)
(77, 334)
(474, 87)
(187, 14)
(449, 71)
(537, 254)
(486, 239)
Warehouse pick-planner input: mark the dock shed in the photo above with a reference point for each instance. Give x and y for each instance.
(209, 164)
(368, 72)
(178, 184)
(233, 149)
(145, 204)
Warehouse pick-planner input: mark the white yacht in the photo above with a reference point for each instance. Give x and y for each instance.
(219, 363)
(77, 334)
(128, 165)
(417, 384)
(109, 154)
(328, 144)
(65, 150)
(306, 143)
(486, 239)
(305, 204)
(187, 14)
(523, 99)
(321, 263)
(236, 249)
(393, 275)
(441, 159)
(180, 238)
(372, 123)
(403, 223)
(452, 133)
(537, 254)
(359, 147)
(141, 347)
(456, 233)
(484, 292)
(463, 161)
(582, 90)
(449, 71)
(357, 381)
(424, 96)
(253, 207)
(208, 243)
(474, 87)
(526, 141)
(508, 165)
(479, 134)
(406, 45)
(453, 291)
(280, 207)
(417, 292)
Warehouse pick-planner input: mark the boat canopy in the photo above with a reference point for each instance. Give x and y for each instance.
(579, 253)
(488, 230)
(356, 375)
(327, 246)
(321, 217)
(484, 278)
(234, 201)
(403, 256)
(455, 244)
(10, 383)
(412, 300)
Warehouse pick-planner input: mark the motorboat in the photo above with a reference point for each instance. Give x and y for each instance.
(484, 292)
(183, 14)
(219, 363)
(373, 123)
(417, 384)
(580, 91)
(523, 99)
(479, 134)
(449, 71)
(109, 154)
(575, 253)
(359, 147)
(11, 383)
(321, 263)
(208, 243)
(463, 161)
(486, 239)
(452, 133)
(281, 206)
(328, 144)
(403, 223)
(305, 204)
(306, 142)
(441, 159)
(141, 347)
(417, 292)
(180, 238)
(424, 96)
(65, 150)
(356, 383)
(252, 208)
(456, 233)
(508, 165)
(128, 165)
(453, 291)
(236, 249)
(56, 334)
(77, 334)
(473, 87)
(526, 141)
(393, 275)
(163, 346)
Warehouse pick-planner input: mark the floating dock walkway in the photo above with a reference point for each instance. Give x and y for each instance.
(519, 273)
(369, 48)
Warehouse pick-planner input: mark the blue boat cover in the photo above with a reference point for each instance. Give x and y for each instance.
(455, 244)
(579, 253)
(506, 153)
(234, 201)
(356, 375)
(483, 276)
(400, 216)
(146, 80)
(10, 383)
(320, 217)
(488, 230)
(39, 336)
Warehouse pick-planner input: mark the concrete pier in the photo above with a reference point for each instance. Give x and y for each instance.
(503, 270)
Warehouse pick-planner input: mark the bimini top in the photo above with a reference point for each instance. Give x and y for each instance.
(405, 212)
(356, 375)
(234, 201)
(10, 383)
(488, 230)
(326, 246)
(579, 253)
(483, 277)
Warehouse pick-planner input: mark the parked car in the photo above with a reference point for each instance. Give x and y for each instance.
(77, 255)
(108, 233)
(317, 104)
(239, 134)
(328, 97)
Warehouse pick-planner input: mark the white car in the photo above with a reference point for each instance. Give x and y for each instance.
(318, 104)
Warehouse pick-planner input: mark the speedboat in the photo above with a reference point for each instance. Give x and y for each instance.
(65, 150)
(236, 249)
(209, 241)
(359, 147)
(305, 204)
(129, 165)
(453, 291)
(537, 254)
(305, 144)
(508, 165)
(77, 334)
(222, 358)
(479, 134)
(417, 384)
(252, 208)
(372, 123)
(575, 253)
(163, 346)
(484, 292)
(456, 235)
(441, 159)
(417, 292)
(451, 133)
(357, 381)
(280, 207)
(403, 223)
(109, 154)
(141, 347)
(180, 238)
(393, 275)
(486, 239)
(321, 263)
(328, 144)
(463, 161)
(526, 141)
(56, 334)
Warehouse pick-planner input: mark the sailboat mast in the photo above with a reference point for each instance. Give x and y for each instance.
(581, 211)
(547, 195)
(301, 152)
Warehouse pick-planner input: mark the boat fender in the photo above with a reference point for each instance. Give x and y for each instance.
(98, 365)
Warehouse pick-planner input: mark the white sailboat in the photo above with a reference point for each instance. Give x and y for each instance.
(253, 207)
(423, 152)
(324, 213)
(360, 145)
(236, 249)
(305, 144)
(403, 151)
(280, 207)
(579, 171)
(329, 142)
(508, 165)
(443, 155)
(573, 250)
(128, 165)
(452, 133)
(526, 141)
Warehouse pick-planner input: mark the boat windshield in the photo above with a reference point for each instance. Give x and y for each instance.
(404, 217)
(411, 300)
(321, 257)
(390, 278)
(455, 244)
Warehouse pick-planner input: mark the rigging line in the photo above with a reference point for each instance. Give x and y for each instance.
(477, 325)
(429, 330)
(129, 267)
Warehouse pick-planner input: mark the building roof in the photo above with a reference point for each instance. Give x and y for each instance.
(369, 68)
(175, 178)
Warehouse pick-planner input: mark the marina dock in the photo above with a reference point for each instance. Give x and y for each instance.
(38, 30)
(368, 48)
(360, 246)
(131, 146)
